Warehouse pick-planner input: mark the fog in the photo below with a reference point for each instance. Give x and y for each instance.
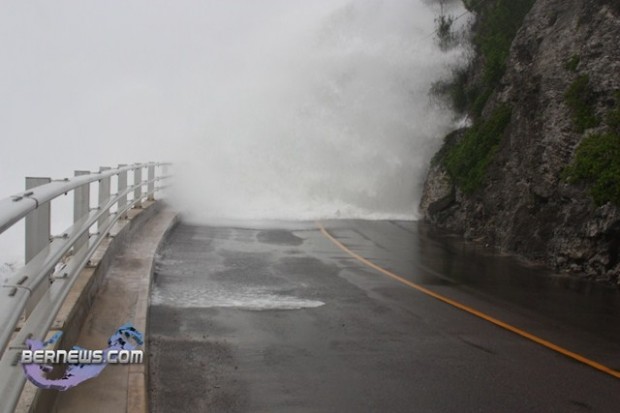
(279, 109)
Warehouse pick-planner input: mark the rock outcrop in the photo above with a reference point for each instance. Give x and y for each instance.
(525, 204)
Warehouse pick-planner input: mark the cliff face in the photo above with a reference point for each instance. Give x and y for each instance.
(525, 203)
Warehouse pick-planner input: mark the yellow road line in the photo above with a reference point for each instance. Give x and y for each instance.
(472, 311)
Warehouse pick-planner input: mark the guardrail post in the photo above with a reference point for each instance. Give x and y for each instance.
(122, 187)
(38, 223)
(104, 197)
(81, 208)
(137, 180)
(38, 232)
(151, 185)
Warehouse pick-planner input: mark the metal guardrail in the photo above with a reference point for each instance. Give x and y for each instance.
(37, 291)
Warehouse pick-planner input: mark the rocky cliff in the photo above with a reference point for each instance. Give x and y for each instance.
(538, 173)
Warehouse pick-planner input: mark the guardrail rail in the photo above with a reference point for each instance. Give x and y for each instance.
(33, 294)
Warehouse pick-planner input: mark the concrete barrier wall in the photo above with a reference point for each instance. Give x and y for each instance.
(76, 308)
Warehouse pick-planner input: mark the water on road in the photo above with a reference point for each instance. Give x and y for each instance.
(278, 318)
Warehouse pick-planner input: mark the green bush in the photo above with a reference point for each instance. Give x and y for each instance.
(467, 161)
(499, 22)
(572, 63)
(613, 117)
(446, 38)
(480, 100)
(597, 162)
(449, 142)
(581, 99)
(597, 159)
(496, 25)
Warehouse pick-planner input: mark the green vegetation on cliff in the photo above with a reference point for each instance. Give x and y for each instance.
(572, 63)
(613, 117)
(581, 100)
(467, 160)
(597, 159)
(597, 162)
(444, 31)
(497, 23)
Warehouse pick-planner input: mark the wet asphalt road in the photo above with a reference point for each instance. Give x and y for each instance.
(276, 318)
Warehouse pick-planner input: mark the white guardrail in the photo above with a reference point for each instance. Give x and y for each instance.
(34, 294)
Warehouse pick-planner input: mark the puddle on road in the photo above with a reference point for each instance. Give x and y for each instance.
(254, 299)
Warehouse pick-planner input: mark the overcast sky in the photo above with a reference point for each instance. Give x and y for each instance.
(119, 81)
